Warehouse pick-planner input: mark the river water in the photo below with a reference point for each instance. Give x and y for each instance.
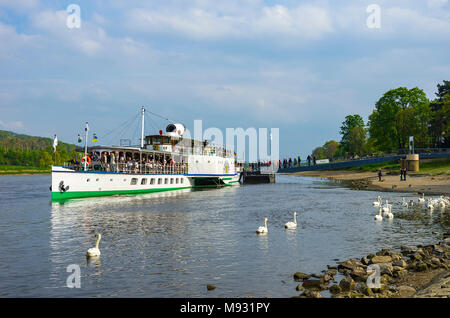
(173, 244)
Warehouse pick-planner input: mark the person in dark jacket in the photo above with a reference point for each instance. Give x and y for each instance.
(379, 174)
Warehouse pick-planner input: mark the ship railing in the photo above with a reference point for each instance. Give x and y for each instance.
(147, 168)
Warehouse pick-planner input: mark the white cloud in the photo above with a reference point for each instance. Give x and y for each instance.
(304, 21)
(12, 125)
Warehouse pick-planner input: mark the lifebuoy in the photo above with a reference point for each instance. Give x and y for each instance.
(88, 160)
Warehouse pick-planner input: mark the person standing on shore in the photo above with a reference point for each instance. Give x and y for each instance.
(404, 174)
(379, 174)
(401, 174)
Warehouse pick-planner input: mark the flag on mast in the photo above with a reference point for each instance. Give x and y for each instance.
(55, 143)
(94, 138)
(79, 138)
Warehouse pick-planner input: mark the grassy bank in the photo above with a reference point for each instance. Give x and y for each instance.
(8, 170)
(427, 166)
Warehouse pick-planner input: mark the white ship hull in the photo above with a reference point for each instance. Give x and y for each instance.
(67, 183)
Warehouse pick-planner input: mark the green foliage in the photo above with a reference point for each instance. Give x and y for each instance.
(29, 151)
(350, 122)
(330, 149)
(398, 114)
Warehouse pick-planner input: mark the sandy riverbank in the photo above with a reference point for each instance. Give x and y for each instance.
(428, 184)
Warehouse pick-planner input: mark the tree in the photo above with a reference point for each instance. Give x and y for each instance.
(330, 148)
(439, 117)
(318, 152)
(398, 114)
(350, 122)
(356, 140)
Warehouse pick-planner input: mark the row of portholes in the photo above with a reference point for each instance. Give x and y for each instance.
(134, 181)
(144, 181)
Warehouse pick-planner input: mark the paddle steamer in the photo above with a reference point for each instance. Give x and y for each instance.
(163, 162)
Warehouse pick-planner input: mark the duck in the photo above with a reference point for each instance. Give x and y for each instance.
(263, 229)
(378, 202)
(94, 251)
(292, 225)
(378, 217)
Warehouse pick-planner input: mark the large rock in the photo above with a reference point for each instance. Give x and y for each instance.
(335, 289)
(350, 264)
(314, 284)
(299, 276)
(405, 291)
(381, 259)
(359, 274)
(386, 268)
(347, 284)
(399, 263)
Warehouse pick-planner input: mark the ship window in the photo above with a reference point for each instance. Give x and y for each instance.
(144, 181)
(176, 181)
(159, 180)
(88, 180)
(171, 180)
(181, 180)
(166, 181)
(152, 181)
(133, 181)
(96, 179)
(110, 179)
(124, 180)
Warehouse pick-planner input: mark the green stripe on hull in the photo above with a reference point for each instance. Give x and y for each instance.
(57, 196)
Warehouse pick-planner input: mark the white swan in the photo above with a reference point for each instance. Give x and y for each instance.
(378, 202)
(430, 204)
(378, 217)
(386, 208)
(422, 198)
(292, 225)
(94, 251)
(389, 215)
(404, 203)
(263, 229)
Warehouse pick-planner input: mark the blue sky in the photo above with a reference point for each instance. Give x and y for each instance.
(300, 66)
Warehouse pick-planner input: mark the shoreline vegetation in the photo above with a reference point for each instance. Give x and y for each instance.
(22, 170)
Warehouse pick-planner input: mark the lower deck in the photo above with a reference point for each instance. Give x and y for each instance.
(68, 184)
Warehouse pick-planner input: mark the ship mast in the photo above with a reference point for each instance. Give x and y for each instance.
(142, 138)
(142, 128)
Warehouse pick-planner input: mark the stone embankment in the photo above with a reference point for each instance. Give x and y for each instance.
(422, 271)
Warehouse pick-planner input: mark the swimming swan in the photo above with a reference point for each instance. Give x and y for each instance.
(292, 225)
(263, 229)
(378, 217)
(94, 251)
(386, 208)
(422, 198)
(389, 215)
(378, 202)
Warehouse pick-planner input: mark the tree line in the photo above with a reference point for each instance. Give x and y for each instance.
(398, 114)
(24, 150)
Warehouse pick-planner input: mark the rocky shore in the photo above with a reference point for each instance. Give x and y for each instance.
(421, 271)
